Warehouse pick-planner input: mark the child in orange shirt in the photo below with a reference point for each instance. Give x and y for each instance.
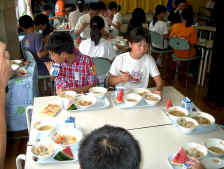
(187, 31)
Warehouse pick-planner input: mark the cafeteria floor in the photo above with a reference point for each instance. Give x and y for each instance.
(16, 143)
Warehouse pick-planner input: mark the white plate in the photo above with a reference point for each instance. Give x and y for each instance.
(184, 129)
(87, 98)
(198, 147)
(213, 163)
(132, 96)
(98, 91)
(153, 102)
(178, 108)
(207, 116)
(213, 142)
(14, 67)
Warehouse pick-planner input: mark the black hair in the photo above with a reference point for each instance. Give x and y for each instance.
(102, 6)
(112, 5)
(178, 2)
(138, 34)
(138, 16)
(60, 42)
(159, 9)
(41, 19)
(45, 8)
(93, 6)
(96, 25)
(81, 5)
(109, 148)
(187, 15)
(118, 8)
(26, 22)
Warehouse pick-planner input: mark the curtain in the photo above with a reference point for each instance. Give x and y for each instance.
(149, 5)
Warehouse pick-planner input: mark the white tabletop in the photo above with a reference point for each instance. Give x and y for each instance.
(129, 119)
(157, 143)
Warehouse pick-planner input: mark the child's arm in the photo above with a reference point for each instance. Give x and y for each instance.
(159, 85)
(124, 77)
(77, 32)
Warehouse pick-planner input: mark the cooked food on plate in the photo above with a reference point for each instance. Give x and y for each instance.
(132, 100)
(193, 152)
(65, 140)
(51, 109)
(84, 103)
(151, 97)
(66, 96)
(44, 128)
(177, 113)
(216, 150)
(186, 124)
(42, 150)
(202, 120)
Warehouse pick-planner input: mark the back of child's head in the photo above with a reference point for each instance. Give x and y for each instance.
(102, 6)
(113, 5)
(81, 5)
(41, 19)
(159, 9)
(139, 16)
(109, 148)
(60, 42)
(139, 34)
(46, 8)
(26, 22)
(96, 25)
(93, 6)
(178, 2)
(188, 16)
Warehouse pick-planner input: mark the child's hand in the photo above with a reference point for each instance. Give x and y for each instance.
(195, 164)
(59, 91)
(157, 92)
(125, 77)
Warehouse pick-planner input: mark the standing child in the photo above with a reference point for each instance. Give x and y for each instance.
(132, 69)
(160, 26)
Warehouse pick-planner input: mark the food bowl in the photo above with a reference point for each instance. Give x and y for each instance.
(187, 125)
(152, 99)
(201, 118)
(177, 112)
(141, 91)
(98, 92)
(67, 137)
(43, 150)
(194, 150)
(85, 101)
(67, 98)
(213, 163)
(15, 67)
(44, 128)
(132, 99)
(215, 147)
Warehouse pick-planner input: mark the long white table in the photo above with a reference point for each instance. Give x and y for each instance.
(157, 144)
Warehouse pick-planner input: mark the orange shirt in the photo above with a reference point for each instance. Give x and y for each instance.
(60, 8)
(189, 34)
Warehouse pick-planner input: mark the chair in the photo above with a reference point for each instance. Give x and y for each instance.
(19, 159)
(181, 44)
(28, 117)
(102, 68)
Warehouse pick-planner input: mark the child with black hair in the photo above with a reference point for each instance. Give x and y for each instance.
(82, 28)
(187, 31)
(103, 14)
(75, 15)
(77, 71)
(109, 148)
(97, 46)
(175, 14)
(43, 26)
(159, 25)
(114, 18)
(33, 42)
(132, 69)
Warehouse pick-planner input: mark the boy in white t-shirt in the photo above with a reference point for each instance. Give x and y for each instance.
(82, 28)
(132, 69)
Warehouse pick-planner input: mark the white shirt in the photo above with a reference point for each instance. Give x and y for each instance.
(86, 32)
(107, 29)
(73, 19)
(160, 27)
(142, 68)
(116, 20)
(103, 49)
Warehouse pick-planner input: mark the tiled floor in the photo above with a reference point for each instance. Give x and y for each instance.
(17, 141)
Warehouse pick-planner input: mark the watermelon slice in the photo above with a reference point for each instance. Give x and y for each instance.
(64, 155)
(180, 158)
(169, 104)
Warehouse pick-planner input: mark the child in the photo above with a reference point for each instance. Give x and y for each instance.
(33, 42)
(76, 70)
(174, 16)
(75, 15)
(82, 28)
(109, 148)
(187, 31)
(160, 26)
(132, 69)
(97, 46)
(114, 19)
(43, 25)
(103, 13)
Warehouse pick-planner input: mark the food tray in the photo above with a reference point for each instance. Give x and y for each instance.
(200, 130)
(142, 104)
(100, 105)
